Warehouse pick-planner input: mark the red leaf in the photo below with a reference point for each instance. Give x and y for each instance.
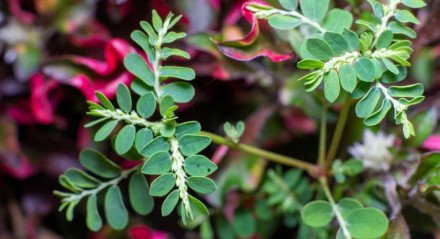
(144, 232)
(248, 48)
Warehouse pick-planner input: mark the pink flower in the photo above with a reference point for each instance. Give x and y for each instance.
(432, 143)
(144, 232)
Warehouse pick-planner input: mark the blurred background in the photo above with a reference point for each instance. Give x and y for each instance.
(55, 53)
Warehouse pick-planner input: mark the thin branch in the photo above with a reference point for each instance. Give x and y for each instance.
(312, 169)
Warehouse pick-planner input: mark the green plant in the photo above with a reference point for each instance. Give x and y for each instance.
(368, 66)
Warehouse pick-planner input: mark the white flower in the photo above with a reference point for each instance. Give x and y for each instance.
(374, 151)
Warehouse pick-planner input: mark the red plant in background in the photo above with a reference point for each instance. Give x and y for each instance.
(144, 232)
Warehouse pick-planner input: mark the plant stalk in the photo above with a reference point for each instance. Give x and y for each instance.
(337, 135)
(322, 137)
(312, 169)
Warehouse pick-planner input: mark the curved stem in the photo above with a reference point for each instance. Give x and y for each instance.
(312, 169)
(335, 207)
(336, 140)
(322, 137)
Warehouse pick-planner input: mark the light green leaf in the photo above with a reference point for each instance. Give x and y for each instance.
(142, 40)
(379, 69)
(331, 86)
(191, 144)
(390, 66)
(390, 78)
(406, 16)
(414, 90)
(414, 3)
(146, 105)
(347, 205)
(189, 127)
(314, 10)
(384, 39)
(178, 72)
(167, 52)
(347, 77)
(125, 139)
(206, 231)
(398, 28)
(138, 67)
(197, 207)
(199, 165)
(98, 164)
(159, 144)
(337, 20)
(166, 105)
(310, 64)
(364, 69)
(351, 38)
(181, 92)
(367, 223)
(152, 36)
(81, 179)
(283, 22)
(93, 219)
(115, 211)
(104, 101)
(317, 213)
(289, 4)
(157, 21)
(173, 36)
(138, 192)
(170, 203)
(319, 48)
(378, 116)
(105, 130)
(162, 185)
(337, 42)
(425, 123)
(411, 102)
(201, 184)
(140, 87)
(368, 103)
(157, 164)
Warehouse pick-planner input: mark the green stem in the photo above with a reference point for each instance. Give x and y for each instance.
(337, 136)
(322, 137)
(312, 169)
(335, 207)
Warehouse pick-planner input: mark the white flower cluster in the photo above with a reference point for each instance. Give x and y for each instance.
(374, 151)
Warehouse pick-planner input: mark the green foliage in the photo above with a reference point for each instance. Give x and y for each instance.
(166, 148)
(234, 132)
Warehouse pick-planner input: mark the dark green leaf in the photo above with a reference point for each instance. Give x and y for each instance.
(146, 105)
(243, 223)
(170, 203)
(138, 192)
(201, 184)
(125, 139)
(351, 38)
(384, 39)
(138, 67)
(337, 42)
(199, 165)
(142, 40)
(390, 78)
(398, 28)
(115, 211)
(173, 36)
(390, 66)
(412, 91)
(143, 137)
(166, 103)
(319, 49)
(406, 16)
(93, 219)
(157, 164)
(190, 127)
(105, 130)
(162, 185)
(331, 86)
(368, 103)
(178, 72)
(364, 69)
(378, 116)
(181, 92)
(123, 97)
(347, 77)
(167, 52)
(159, 144)
(191, 144)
